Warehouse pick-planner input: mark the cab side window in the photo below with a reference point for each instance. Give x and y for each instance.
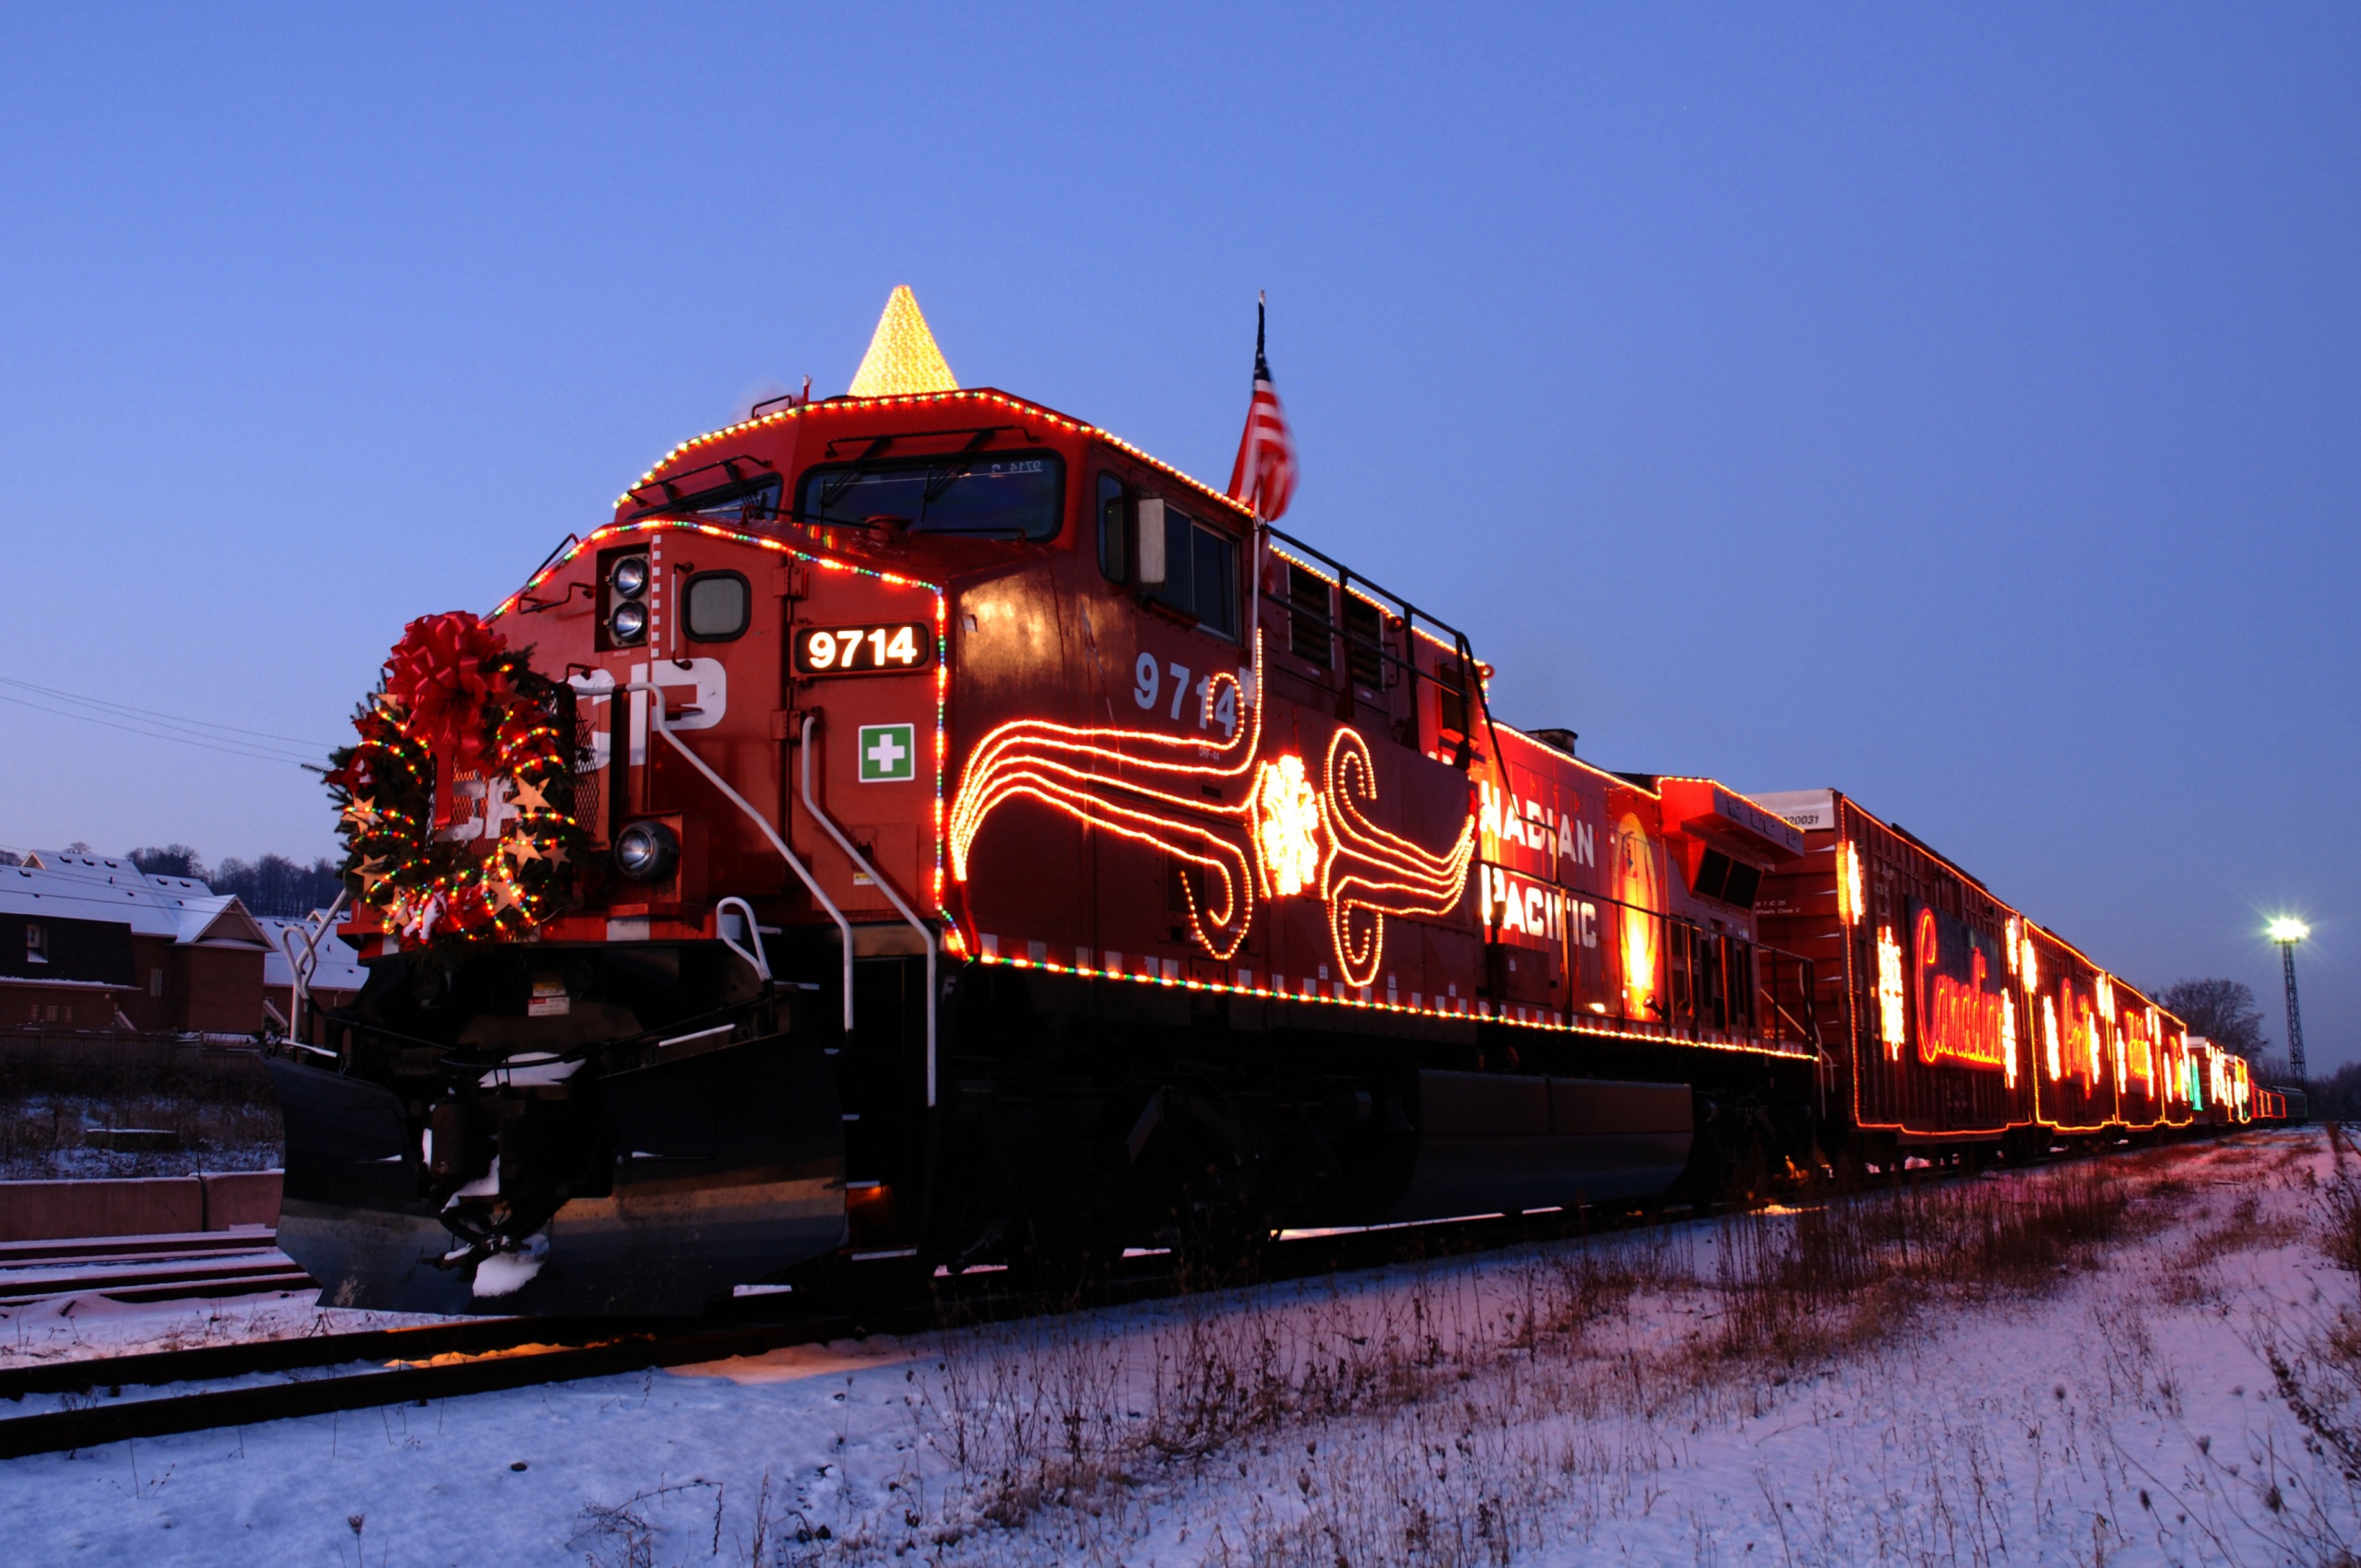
(1200, 571)
(719, 605)
(1307, 615)
(1114, 530)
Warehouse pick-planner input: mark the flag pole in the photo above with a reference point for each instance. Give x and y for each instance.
(1254, 583)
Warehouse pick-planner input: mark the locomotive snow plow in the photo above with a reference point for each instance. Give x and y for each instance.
(645, 1176)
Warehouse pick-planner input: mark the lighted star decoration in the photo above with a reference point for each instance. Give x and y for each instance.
(1285, 821)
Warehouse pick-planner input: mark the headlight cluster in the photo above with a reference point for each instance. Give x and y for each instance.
(647, 851)
(626, 602)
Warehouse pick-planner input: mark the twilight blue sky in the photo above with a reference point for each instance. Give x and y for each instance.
(1955, 406)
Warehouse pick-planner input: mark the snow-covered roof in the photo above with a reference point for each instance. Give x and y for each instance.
(95, 887)
(338, 968)
(111, 869)
(221, 920)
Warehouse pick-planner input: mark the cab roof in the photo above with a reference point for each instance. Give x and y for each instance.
(699, 451)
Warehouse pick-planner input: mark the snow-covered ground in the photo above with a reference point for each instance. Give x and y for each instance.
(87, 1164)
(43, 1135)
(1899, 1380)
(69, 1327)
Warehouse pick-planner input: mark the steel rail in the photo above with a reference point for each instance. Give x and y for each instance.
(156, 1368)
(516, 1367)
(230, 1277)
(154, 1244)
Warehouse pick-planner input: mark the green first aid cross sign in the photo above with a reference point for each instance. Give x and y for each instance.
(889, 754)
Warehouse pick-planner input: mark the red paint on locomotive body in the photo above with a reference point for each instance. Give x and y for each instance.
(1105, 778)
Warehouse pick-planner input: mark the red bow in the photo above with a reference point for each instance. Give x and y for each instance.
(436, 674)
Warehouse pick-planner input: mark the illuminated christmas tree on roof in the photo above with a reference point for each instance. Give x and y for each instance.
(902, 356)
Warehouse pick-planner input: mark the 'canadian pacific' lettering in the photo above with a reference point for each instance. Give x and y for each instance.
(1530, 825)
(1961, 1018)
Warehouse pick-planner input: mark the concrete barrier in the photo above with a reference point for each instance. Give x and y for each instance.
(139, 1206)
(241, 1197)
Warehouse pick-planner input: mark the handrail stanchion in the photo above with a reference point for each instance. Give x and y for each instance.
(759, 960)
(299, 970)
(803, 871)
(926, 931)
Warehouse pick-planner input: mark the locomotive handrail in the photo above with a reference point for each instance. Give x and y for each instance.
(1471, 679)
(1411, 613)
(803, 871)
(1677, 1022)
(758, 959)
(926, 931)
(1807, 1028)
(301, 969)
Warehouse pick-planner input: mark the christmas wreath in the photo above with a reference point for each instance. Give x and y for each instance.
(457, 799)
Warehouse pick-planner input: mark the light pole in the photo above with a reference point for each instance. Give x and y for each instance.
(2287, 931)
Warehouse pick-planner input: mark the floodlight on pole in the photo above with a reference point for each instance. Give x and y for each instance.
(2287, 931)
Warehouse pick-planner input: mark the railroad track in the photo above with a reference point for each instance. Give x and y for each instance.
(147, 1268)
(445, 1373)
(442, 1361)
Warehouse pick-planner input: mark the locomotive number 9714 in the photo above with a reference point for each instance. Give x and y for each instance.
(863, 650)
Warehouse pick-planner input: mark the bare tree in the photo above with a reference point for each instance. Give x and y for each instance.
(171, 860)
(2339, 1094)
(277, 885)
(2223, 1011)
(271, 886)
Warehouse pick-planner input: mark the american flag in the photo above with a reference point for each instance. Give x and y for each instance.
(1264, 476)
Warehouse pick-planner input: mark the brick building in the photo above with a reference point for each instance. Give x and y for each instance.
(91, 943)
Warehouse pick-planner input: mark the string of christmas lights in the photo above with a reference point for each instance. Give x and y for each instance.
(431, 875)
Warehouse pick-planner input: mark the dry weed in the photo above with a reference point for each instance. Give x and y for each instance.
(2341, 1203)
(226, 1121)
(1455, 1413)
(1838, 1278)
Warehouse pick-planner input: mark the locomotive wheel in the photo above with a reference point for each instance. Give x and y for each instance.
(1737, 1157)
(1063, 1252)
(874, 1284)
(1223, 1245)
(2024, 1146)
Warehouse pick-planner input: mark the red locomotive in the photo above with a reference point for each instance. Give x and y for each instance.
(923, 828)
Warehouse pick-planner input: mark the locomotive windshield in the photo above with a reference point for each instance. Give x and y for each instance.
(1007, 496)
